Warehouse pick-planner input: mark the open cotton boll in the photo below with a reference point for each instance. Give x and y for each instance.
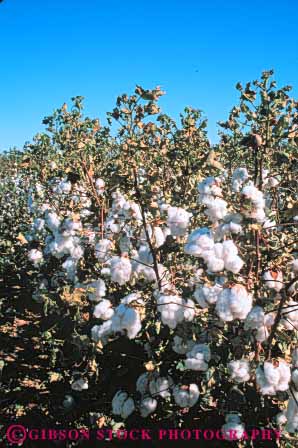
(225, 229)
(80, 385)
(100, 186)
(234, 264)
(273, 280)
(210, 187)
(273, 378)
(35, 256)
(96, 290)
(292, 412)
(174, 310)
(239, 370)
(181, 346)
(148, 406)
(70, 266)
(260, 322)
(239, 176)
(290, 315)
(38, 224)
(198, 357)
(198, 242)
(216, 209)
(207, 295)
(178, 220)
(102, 332)
(142, 383)
(159, 236)
(52, 221)
(186, 396)
(161, 386)
(233, 428)
(103, 310)
(254, 194)
(102, 250)
(63, 187)
(122, 404)
(233, 303)
(126, 317)
(120, 270)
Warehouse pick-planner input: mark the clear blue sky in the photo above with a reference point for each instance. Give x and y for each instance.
(196, 50)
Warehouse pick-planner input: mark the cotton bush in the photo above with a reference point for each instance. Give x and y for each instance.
(170, 268)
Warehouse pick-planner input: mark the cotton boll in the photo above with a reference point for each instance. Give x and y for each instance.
(143, 383)
(273, 280)
(216, 209)
(234, 264)
(261, 323)
(148, 406)
(271, 378)
(38, 224)
(214, 264)
(52, 221)
(229, 249)
(122, 404)
(233, 303)
(233, 428)
(161, 386)
(121, 270)
(239, 176)
(159, 236)
(292, 413)
(182, 347)
(207, 295)
(70, 266)
(186, 396)
(178, 220)
(281, 418)
(103, 310)
(290, 315)
(80, 385)
(102, 250)
(239, 370)
(97, 290)
(198, 357)
(174, 310)
(199, 241)
(100, 186)
(63, 187)
(102, 332)
(225, 229)
(35, 256)
(210, 187)
(126, 317)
